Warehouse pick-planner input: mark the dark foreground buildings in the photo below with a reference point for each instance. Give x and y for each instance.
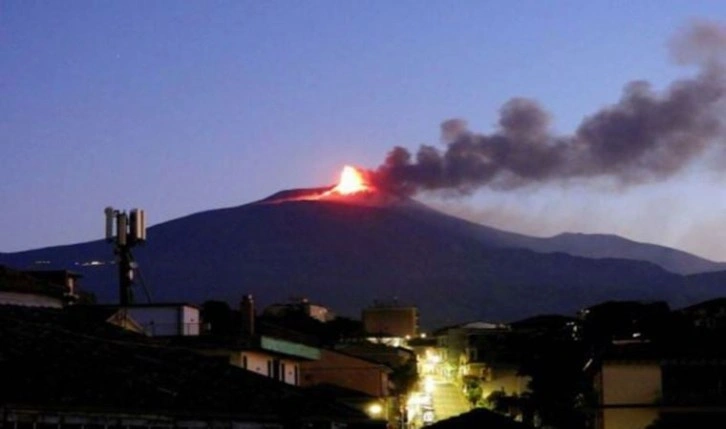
(61, 369)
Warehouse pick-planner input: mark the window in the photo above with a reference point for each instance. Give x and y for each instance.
(275, 367)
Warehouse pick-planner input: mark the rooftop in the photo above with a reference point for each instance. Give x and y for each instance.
(51, 358)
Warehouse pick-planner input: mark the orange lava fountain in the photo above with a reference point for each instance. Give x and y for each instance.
(351, 182)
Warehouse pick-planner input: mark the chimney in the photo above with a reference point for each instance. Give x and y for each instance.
(247, 313)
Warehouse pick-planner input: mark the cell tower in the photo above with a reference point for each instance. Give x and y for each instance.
(130, 230)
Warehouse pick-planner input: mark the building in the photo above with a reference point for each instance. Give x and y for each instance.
(52, 289)
(69, 280)
(456, 343)
(637, 383)
(392, 357)
(266, 352)
(347, 371)
(63, 374)
(391, 319)
(270, 357)
(153, 320)
(165, 319)
(300, 306)
(707, 315)
(620, 320)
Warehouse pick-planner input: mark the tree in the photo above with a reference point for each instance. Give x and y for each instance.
(218, 317)
(473, 391)
(555, 367)
(404, 377)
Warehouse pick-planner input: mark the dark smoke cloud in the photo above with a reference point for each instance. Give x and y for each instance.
(645, 136)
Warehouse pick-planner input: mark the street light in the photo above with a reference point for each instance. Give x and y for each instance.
(375, 409)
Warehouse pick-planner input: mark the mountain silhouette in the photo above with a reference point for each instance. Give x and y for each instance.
(346, 251)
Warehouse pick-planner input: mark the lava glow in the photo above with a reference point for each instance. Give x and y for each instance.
(351, 182)
(354, 187)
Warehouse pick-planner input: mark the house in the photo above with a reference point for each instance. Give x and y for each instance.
(69, 280)
(344, 374)
(552, 326)
(627, 385)
(267, 352)
(393, 357)
(153, 320)
(164, 319)
(494, 357)
(37, 288)
(709, 314)
(401, 361)
(301, 306)
(620, 320)
(639, 382)
(456, 345)
(347, 371)
(270, 357)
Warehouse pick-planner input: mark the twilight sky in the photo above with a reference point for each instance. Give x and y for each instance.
(180, 106)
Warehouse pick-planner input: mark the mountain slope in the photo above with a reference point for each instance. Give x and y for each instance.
(345, 255)
(576, 244)
(613, 246)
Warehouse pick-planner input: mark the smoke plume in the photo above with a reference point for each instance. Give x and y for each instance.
(645, 136)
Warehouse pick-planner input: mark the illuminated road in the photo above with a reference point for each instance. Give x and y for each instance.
(449, 401)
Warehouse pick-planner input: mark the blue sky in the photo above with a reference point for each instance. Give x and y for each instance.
(181, 106)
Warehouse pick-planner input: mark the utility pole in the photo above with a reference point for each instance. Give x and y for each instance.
(130, 230)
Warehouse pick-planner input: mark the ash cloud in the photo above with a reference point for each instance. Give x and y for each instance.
(645, 136)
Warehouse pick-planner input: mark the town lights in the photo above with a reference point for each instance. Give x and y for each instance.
(429, 384)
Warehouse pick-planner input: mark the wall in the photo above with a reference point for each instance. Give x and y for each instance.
(507, 380)
(631, 383)
(166, 320)
(259, 363)
(346, 371)
(393, 321)
(629, 394)
(190, 320)
(628, 418)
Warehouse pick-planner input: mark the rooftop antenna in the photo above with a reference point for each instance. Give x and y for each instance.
(129, 231)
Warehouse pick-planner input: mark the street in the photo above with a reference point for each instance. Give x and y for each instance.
(448, 399)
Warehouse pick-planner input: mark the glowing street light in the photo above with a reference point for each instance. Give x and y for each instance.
(375, 409)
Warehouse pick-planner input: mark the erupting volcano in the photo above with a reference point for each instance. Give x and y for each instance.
(354, 242)
(354, 187)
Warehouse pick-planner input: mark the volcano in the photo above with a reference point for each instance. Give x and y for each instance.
(347, 249)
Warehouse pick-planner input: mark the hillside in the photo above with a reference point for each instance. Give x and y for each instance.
(346, 254)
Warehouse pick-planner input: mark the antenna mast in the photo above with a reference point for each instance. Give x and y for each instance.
(130, 230)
